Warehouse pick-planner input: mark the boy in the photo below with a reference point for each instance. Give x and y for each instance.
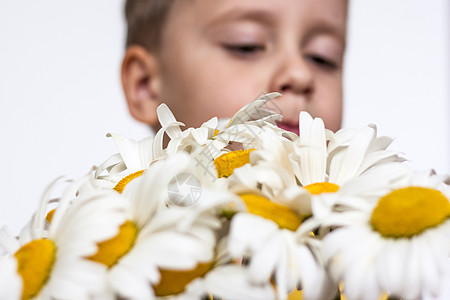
(208, 58)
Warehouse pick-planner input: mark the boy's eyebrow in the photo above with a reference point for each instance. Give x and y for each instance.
(254, 14)
(328, 28)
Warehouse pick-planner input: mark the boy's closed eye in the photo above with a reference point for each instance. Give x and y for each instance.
(242, 39)
(244, 50)
(322, 61)
(324, 51)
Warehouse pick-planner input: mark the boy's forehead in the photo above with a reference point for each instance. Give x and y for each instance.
(333, 13)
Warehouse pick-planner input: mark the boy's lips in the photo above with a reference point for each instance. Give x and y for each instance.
(289, 127)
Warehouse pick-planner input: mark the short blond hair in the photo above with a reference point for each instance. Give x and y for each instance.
(145, 22)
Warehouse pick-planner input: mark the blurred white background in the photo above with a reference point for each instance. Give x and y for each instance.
(60, 88)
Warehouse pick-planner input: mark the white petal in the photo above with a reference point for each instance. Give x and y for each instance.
(75, 279)
(130, 284)
(91, 219)
(430, 267)
(158, 150)
(248, 233)
(8, 242)
(232, 282)
(354, 156)
(313, 154)
(267, 259)
(136, 155)
(315, 282)
(391, 265)
(253, 110)
(189, 252)
(10, 280)
(166, 118)
(413, 271)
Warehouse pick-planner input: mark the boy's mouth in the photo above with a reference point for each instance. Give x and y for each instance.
(289, 127)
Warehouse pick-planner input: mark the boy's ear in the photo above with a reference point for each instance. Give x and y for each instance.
(141, 84)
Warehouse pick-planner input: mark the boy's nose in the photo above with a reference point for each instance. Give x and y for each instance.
(292, 75)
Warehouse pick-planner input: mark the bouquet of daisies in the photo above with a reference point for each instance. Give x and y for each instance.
(242, 211)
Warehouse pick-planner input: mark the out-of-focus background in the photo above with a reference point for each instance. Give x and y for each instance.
(60, 88)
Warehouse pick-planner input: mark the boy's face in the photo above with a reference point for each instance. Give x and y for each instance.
(216, 56)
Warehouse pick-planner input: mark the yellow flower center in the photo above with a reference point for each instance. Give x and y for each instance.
(295, 295)
(50, 214)
(174, 281)
(226, 163)
(409, 211)
(34, 264)
(280, 214)
(322, 187)
(109, 252)
(123, 183)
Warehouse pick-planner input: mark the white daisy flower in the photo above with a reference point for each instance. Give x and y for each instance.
(243, 128)
(262, 184)
(399, 246)
(266, 165)
(348, 154)
(270, 172)
(52, 263)
(209, 142)
(245, 181)
(148, 256)
(358, 193)
(325, 160)
(290, 259)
